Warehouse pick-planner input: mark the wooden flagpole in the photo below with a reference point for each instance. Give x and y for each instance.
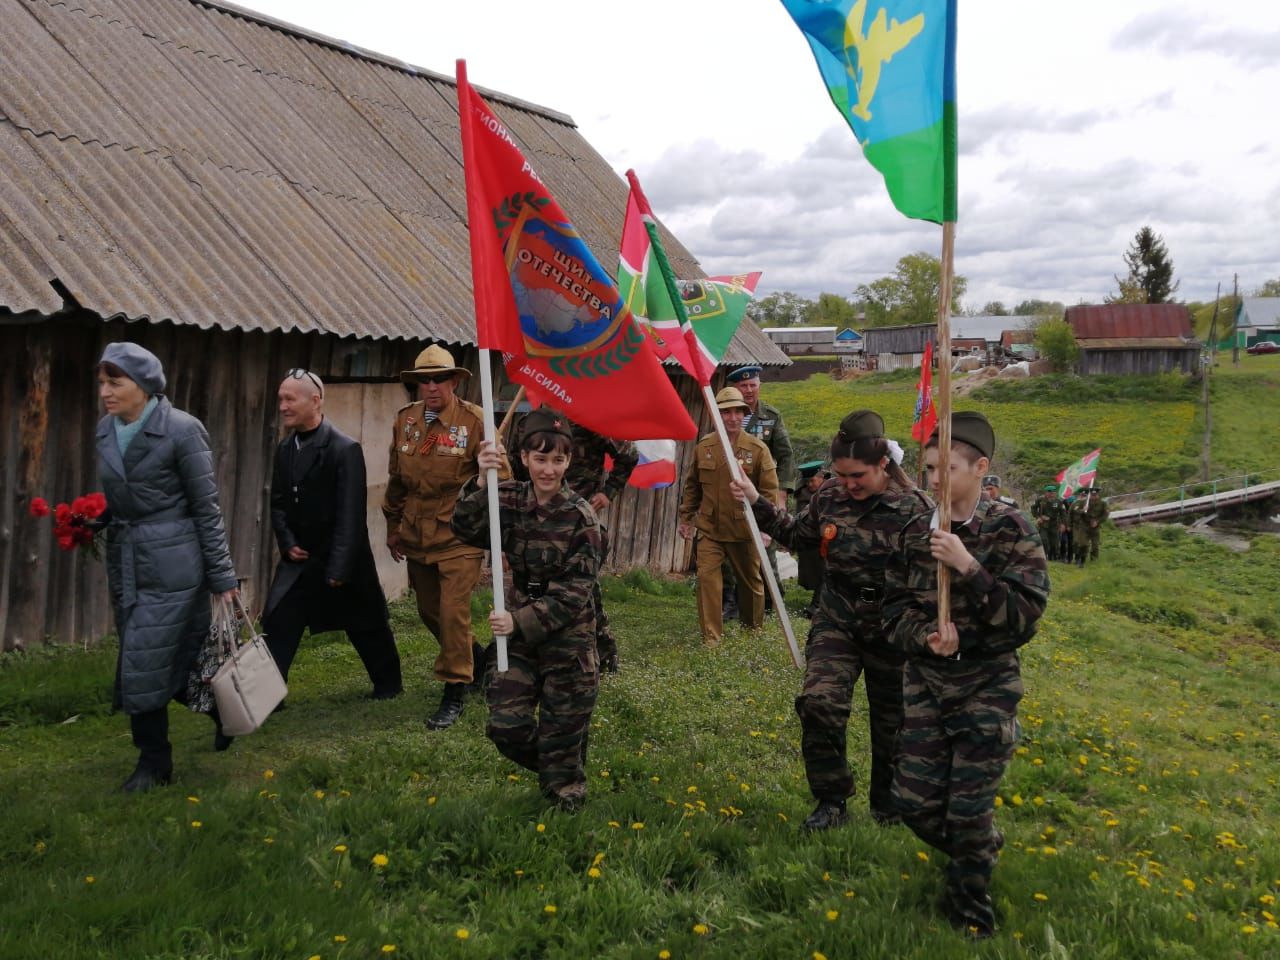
(943, 352)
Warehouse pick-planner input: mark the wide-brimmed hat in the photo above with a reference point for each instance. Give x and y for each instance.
(730, 398)
(433, 362)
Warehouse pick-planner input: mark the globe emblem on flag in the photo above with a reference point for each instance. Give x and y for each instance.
(567, 303)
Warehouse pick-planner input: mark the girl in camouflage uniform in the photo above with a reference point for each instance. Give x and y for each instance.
(554, 546)
(854, 519)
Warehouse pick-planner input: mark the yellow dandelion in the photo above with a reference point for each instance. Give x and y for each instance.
(1041, 897)
(1266, 899)
(268, 840)
(314, 956)
(40, 847)
(664, 955)
(922, 856)
(783, 817)
(193, 799)
(594, 873)
(518, 872)
(999, 801)
(833, 915)
(1142, 788)
(1016, 799)
(1049, 851)
(691, 789)
(431, 801)
(597, 859)
(268, 774)
(340, 848)
(604, 773)
(344, 793)
(1113, 822)
(1248, 929)
(701, 929)
(849, 894)
(339, 938)
(614, 824)
(388, 948)
(1189, 885)
(196, 824)
(337, 884)
(904, 875)
(1038, 801)
(379, 860)
(549, 909)
(541, 828)
(1082, 760)
(319, 794)
(637, 825)
(819, 956)
(655, 779)
(91, 879)
(1191, 917)
(462, 933)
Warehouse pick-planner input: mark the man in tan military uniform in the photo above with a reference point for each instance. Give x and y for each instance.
(719, 519)
(433, 453)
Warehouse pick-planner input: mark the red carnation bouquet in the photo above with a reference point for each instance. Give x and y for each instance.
(75, 523)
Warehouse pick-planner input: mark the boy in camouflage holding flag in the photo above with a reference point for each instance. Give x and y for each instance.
(553, 543)
(962, 681)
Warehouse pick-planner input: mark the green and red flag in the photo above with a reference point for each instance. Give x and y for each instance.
(890, 69)
(698, 331)
(544, 300)
(1079, 475)
(926, 415)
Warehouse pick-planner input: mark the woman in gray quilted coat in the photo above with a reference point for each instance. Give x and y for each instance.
(166, 547)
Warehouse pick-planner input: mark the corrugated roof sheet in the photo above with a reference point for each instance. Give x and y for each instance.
(1261, 312)
(200, 163)
(1129, 320)
(1138, 343)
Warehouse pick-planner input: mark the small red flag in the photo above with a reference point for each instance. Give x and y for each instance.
(926, 417)
(543, 299)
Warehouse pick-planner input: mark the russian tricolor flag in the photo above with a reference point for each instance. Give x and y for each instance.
(657, 466)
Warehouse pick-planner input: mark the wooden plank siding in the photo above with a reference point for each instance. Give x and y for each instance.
(49, 410)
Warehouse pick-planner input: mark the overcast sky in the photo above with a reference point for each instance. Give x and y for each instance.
(1079, 123)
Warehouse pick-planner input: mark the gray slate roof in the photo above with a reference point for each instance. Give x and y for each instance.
(1261, 312)
(198, 163)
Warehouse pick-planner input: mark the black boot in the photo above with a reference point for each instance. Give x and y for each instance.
(479, 669)
(827, 814)
(450, 709)
(145, 778)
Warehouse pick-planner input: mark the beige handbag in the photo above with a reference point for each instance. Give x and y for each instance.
(248, 685)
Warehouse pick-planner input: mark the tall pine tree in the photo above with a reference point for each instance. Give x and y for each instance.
(1150, 278)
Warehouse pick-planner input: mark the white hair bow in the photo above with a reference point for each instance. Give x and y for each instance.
(895, 451)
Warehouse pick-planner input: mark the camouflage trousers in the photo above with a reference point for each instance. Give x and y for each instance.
(540, 710)
(1048, 537)
(958, 733)
(606, 644)
(835, 656)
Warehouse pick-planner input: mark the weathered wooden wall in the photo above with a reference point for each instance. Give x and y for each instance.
(228, 379)
(1139, 361)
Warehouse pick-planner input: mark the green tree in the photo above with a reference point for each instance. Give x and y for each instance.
(781, 310)
(994, 308)
(1055, 341)
(835, 310)
(1269, 289)
(1150, 277)
(1036, 308)
(910, 295)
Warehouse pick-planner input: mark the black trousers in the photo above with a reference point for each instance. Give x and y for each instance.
(151, 737)
(376, 646)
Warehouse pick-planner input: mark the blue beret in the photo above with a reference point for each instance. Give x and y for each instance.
(743, 373)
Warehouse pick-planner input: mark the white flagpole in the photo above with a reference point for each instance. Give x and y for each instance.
(491, 488)
(765, 568)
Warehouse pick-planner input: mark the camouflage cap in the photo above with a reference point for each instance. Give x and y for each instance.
(860, 425)
(991, 480)
(545, 421)
(974, 429)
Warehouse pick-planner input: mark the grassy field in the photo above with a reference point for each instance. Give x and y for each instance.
(1150, 429)
(1140, 810)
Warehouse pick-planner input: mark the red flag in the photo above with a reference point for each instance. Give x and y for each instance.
(543, 299)
(926, 417)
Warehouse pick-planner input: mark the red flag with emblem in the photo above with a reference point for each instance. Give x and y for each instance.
(543, 299)
(926, 418)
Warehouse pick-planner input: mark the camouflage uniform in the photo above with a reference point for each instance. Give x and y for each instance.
(960, 713)
(586, 477)
(1079, 521)
(856, 539)
(808, 559)
(554, 551)
(1095, 511)
(1046, 511)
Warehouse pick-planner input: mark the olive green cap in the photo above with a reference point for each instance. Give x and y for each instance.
(974, 429)
(544, 421)
(861, 425)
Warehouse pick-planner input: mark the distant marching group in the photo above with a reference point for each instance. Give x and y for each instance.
(942, 697)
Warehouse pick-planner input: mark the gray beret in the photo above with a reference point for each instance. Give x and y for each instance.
(138, 363)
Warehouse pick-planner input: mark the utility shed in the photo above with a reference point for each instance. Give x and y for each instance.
(895, 348)
(1134, 338)
(242, 197)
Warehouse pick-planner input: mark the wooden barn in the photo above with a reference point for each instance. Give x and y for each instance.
(241, 197)
(1134, 338)
(896, 348)
(803, 341)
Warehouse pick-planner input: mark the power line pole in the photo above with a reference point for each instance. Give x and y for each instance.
(1235, 322)
(1208, 368)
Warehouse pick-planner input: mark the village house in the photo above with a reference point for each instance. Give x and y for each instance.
(1128, 338)
(243, 197)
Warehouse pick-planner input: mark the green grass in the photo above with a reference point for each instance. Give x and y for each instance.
(1141, 806)
(1150, 429)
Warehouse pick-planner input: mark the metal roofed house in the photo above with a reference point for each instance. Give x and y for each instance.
(1257, 318)
(1129, 338)
(802, 341)
(241, 196)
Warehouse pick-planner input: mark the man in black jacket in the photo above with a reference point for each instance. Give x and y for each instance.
(326, 579)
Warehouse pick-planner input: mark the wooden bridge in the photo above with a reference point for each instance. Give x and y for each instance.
(1246, 492)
